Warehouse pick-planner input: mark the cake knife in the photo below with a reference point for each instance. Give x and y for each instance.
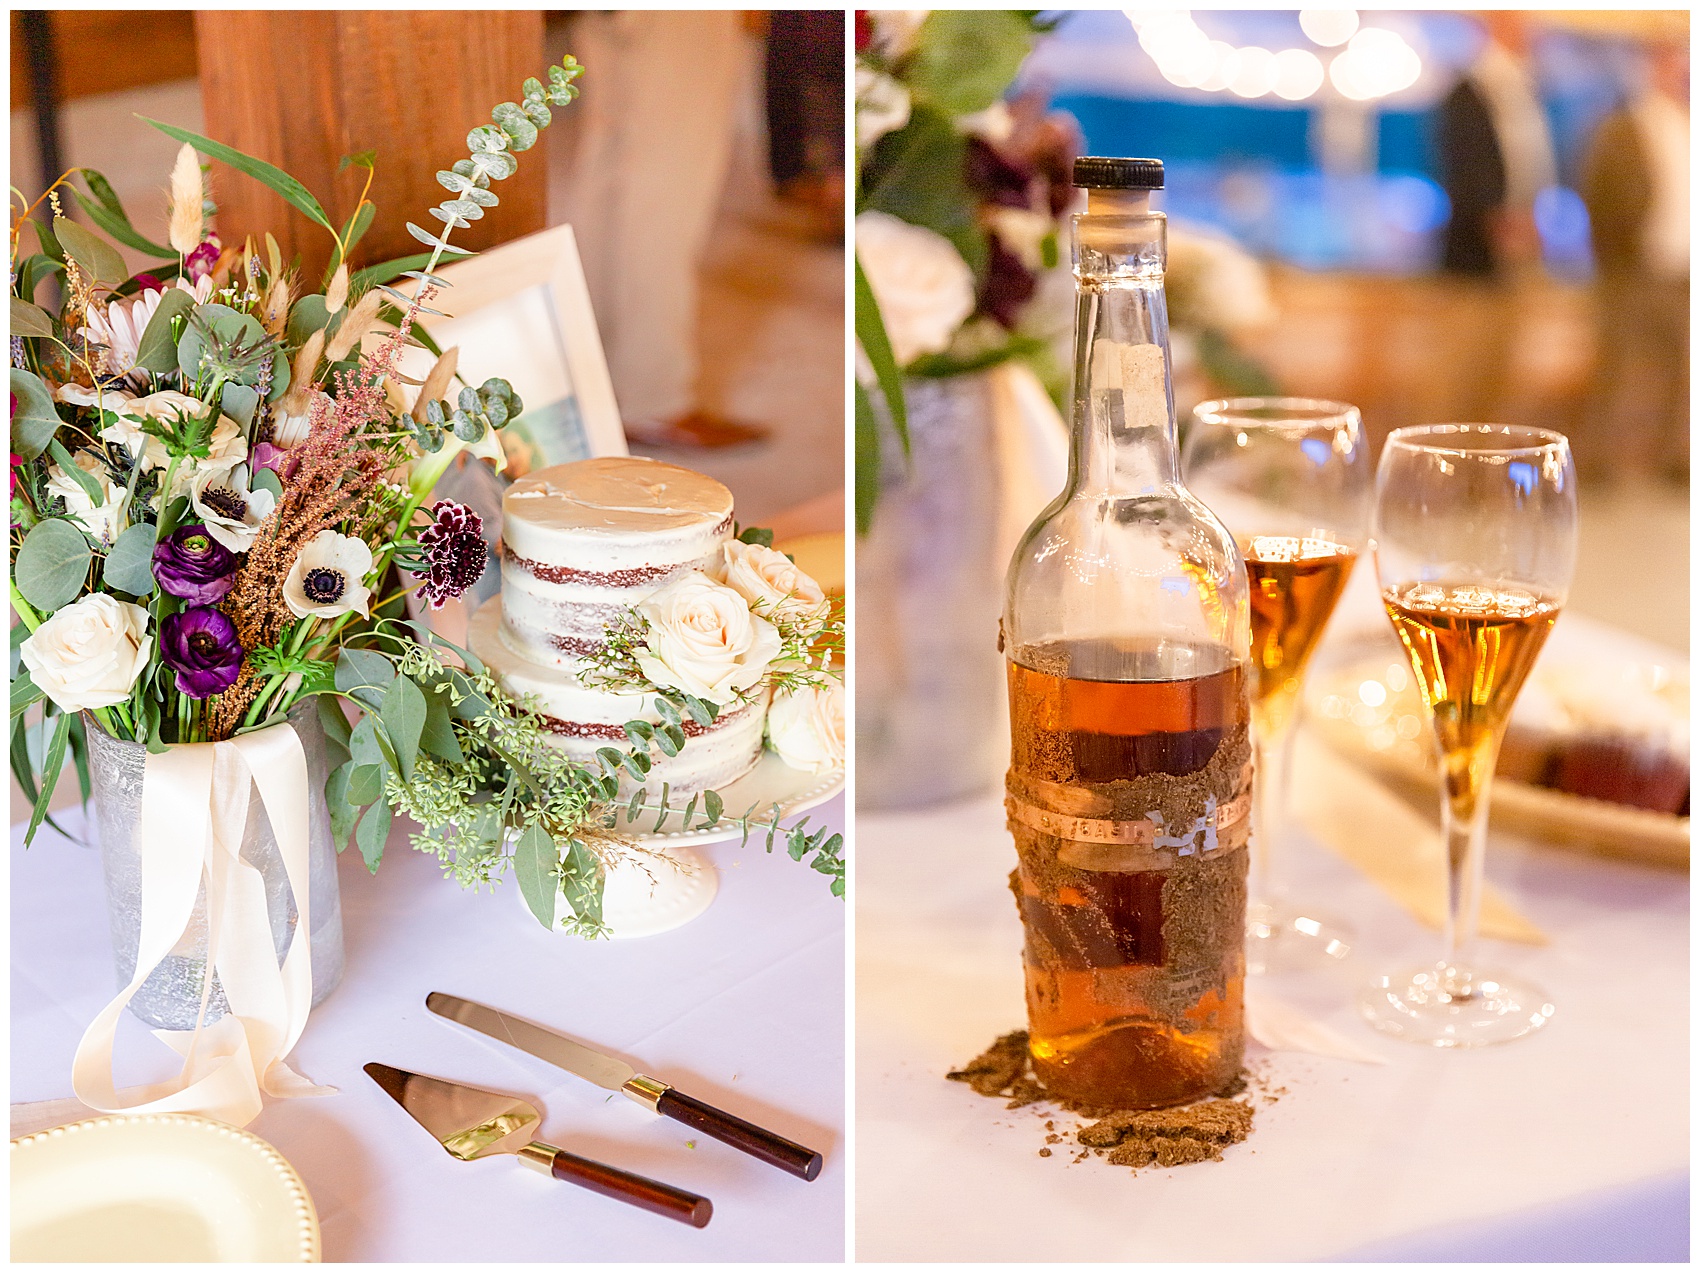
(616, 1076)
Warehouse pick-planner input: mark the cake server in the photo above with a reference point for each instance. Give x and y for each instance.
(472, 1123)
(614, 1074)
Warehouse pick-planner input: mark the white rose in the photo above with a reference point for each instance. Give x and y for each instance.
(226, 448)
(231, 513)
(806, 728)
(923, 286)
(1023, 232)
(89, 653)
(882, 106)
(326, 577)
(702, 639)
(771, 583)
(106, 399)
(103, 520)
(895, 29)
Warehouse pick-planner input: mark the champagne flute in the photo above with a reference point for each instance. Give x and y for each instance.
(1475, 545)
(1290, 477)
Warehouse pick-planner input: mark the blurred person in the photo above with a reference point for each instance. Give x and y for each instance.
(805, 114)
(651, 150)
(1496, 155)
(1635, 183)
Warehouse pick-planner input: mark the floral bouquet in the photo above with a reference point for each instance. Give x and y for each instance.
(217, 486)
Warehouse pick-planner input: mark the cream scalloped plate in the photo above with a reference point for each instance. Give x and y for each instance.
(772, 786)
(157, 1187)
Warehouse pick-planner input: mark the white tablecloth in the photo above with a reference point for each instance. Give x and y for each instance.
(1568, 1145)
(743, 1008)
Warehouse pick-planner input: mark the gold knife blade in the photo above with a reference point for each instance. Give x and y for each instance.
(544, 1044)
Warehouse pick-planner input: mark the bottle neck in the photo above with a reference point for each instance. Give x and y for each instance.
(1124, 437)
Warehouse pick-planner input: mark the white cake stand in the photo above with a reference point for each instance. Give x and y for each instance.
(656, 895)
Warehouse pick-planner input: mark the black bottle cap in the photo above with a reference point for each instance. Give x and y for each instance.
(1096, 172)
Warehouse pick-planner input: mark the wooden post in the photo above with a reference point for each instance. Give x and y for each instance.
(303, 89)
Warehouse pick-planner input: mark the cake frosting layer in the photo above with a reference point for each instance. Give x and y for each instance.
(583, 542)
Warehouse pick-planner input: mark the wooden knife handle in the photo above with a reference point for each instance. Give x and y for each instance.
(755, 1141)
(640, 1191)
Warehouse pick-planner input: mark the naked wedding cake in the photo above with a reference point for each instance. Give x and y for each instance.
(581, 544)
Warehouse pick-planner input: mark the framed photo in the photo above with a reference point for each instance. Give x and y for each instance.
(521, 311)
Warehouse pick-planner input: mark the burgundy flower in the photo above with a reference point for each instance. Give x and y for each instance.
(200, 645)
(454, 552)
(268, 455)
(199, 263)
(998, 177)
(191, 564)
(1009, 284)
(148, 283)
(864, 30)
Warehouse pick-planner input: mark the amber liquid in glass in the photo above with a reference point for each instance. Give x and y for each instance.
(1135, 977)
(1295, 583)
(1471, 648)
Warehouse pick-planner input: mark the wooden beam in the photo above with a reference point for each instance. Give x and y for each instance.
(303, 89)
(108, 50)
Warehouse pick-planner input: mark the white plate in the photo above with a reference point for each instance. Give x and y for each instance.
(157, 1187)
(771, 782)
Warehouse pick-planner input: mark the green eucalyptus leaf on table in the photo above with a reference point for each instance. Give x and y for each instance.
(129, 565)
(537, 866)
(52, 564)
(35, 420)
(98, 259)
(157, 350)
(30, 320)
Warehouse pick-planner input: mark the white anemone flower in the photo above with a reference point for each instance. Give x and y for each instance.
(107, 399)
(232, 512)
(325, 580)
(105, 520)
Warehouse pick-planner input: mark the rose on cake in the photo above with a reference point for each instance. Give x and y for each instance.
(771, 583)
(702, 638)
(805, 727)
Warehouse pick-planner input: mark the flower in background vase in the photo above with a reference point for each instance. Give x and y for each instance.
(103, 520)
(922, 285)
(702, 639)
(882, 106)
(894, 30)
(232, 513)
(200, 645)
(89, 653)
(806, 727)
(191, 564)
(454, 552)
(771, 583)
(326, 578)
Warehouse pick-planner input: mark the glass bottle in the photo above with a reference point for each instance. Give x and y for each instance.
(1126, 634)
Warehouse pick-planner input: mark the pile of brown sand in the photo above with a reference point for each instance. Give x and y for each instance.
(1129, 1138)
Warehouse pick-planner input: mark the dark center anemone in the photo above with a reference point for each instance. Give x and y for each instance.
(226, 502)
(323, 585)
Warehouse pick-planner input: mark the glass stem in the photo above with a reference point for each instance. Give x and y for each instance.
(1272, 744)
(1464, 819)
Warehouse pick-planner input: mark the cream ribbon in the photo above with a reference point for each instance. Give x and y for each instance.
(194, 813)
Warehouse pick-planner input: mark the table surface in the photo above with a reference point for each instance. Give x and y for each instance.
(743, 1008)
(1569, 1144)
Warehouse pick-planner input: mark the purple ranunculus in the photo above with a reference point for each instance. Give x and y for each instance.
(200, 645)
(191, 564)
(199, 263)
(454, 552)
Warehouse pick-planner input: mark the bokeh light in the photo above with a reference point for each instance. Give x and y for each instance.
(1329, 27)
(1298, 74)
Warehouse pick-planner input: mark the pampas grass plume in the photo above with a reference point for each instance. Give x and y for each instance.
(186, 200)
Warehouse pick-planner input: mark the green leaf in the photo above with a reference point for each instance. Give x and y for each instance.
(403, 715)
(52, 564)
(871, 335)
(157, 351)
(99, 260)
(344, 813)
(581, 883)
(640, 732)
(25, 693)
(79, 744)
(30, 320)
(367, 159)
(610, 758)
(306, 316)
(632, 806)
(267, 480)
(366, 746)
(389, 271)
(964, 59)
(756, 535)
(364, 675)
(50, 767)
(438, 736)
(335, 724)
(239, 402)
(916, 174)
(370, 835)
(867, 461)
(365, 783)
(33, 270)
(537, 866)
(712, 806)
(294, 193)
(109, 216)
(35, 421)
(172, 518)
(71, 469)
(129, 565)
(668, 744)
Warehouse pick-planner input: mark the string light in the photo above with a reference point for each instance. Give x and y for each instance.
(1329, 27)
(1188, 58)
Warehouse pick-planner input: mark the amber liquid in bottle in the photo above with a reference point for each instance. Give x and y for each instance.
(1295, 583)
(1134, 954)
(1471, 648)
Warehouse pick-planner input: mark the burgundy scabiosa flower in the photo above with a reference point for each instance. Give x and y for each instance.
(191, 564)
(454, 552)
(199, 263)
(200, 645)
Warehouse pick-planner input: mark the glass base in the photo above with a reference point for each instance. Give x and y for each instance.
(1446, 1006)
(1282, 937)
